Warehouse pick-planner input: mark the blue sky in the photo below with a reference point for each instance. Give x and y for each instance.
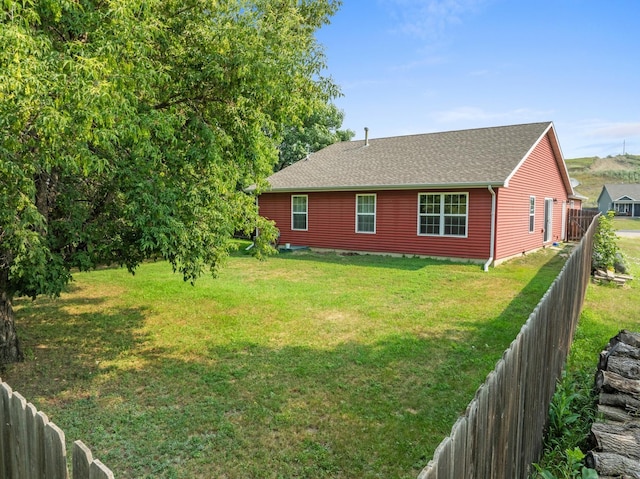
(421, 66)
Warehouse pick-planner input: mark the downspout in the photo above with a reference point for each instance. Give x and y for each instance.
(493, 228)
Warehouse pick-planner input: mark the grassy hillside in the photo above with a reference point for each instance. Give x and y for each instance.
(593, 172)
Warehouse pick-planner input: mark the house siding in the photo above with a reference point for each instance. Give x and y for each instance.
(605, 203)
(540, 176)
(332, 217)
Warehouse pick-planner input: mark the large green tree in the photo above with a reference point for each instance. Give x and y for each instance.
(319, 129)
(130, 128)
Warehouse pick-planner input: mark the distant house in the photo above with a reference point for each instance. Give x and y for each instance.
(623, 199)
(484, 195)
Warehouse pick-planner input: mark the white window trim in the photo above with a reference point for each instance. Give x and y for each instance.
(442, 215)
(532, 230)
(306, 213)
(374, 214)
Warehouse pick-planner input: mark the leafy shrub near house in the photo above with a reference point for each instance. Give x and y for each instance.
(606, 253)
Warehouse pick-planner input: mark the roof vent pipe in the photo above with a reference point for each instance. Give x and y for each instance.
(366, 136)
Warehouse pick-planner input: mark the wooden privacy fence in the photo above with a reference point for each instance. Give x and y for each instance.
(578, 222)
(32, 447)
(501, 432)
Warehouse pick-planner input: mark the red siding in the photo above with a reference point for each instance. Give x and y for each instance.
(538, 176)
(331, 224)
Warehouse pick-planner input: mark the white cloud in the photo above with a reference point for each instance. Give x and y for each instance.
(471, 115)
(616, 130)
(429, 18)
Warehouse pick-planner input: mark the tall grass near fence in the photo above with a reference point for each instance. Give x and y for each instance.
(32, 447)
(501, 432)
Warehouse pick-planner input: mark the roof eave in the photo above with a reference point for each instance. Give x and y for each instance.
(417, 186)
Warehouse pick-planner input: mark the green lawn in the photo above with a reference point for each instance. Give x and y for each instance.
(624, 223)
(305, 365)
(607, 310)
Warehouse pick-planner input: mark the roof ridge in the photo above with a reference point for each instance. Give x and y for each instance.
(450, 131)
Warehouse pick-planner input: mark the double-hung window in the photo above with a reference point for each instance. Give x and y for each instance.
(532, 213)
(365, 213)
(299, 212)
(443, 214)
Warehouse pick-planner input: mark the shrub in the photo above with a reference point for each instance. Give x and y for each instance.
(606, 252)
(571, 414)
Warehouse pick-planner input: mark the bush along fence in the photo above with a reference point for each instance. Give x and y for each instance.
(501, 433)
(32, 447)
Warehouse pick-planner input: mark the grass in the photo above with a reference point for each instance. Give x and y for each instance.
(607, 310)
(623, 223)
(305, 365)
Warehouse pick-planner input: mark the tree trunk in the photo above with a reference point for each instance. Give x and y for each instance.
(9, 345)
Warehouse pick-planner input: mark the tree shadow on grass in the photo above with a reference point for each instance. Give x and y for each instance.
(66, 339)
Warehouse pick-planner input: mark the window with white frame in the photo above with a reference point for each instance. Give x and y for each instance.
(532, 213)
(365, 213)
(299, 212)
(443, 214)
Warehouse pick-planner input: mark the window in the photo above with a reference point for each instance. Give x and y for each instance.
(299, 215)
(365, 213)
(442, 214)
(623, 208)
(532, 213)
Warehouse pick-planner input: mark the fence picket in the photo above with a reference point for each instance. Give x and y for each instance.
(4, 433)
(18, 418)
(459, 448)
(41, 421)
(429, 472)
(82, 459)
(444, 459)
(99, 471)
(55, 452)
(33, 442)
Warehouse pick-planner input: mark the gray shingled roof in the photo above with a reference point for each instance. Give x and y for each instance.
(475, 157)
(618, 191)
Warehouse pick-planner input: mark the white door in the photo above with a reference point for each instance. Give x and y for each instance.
(548, 217)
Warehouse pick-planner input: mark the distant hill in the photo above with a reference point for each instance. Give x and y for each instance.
(593, 172)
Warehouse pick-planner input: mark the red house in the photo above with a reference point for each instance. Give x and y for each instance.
(484, 195)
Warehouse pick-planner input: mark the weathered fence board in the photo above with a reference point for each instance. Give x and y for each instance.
(18, 420)
(55, 452)
(82, 459)
(501, 433)
(99, 471)
(32, 447)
